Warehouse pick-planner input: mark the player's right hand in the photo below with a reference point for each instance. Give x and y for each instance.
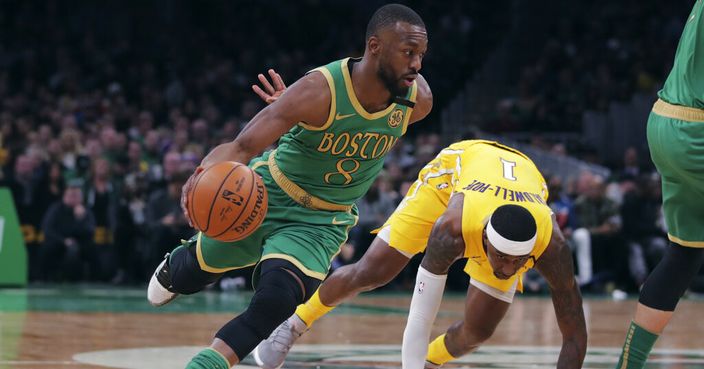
(186, 189)
(270, 93)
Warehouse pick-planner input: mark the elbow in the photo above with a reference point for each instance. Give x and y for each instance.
(243, 150)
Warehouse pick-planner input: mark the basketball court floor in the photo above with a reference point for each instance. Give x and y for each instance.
(98, 328)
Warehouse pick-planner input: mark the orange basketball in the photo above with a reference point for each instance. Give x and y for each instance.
(227, 202)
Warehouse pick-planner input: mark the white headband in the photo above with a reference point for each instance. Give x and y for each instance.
(515, 248)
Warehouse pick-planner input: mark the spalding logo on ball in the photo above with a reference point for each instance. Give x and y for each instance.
(227, 202)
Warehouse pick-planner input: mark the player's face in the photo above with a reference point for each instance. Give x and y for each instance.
(401, 56)
(504, 265)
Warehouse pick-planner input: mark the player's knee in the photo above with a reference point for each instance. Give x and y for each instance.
(275, 299)
(185, 273)
(279, 291)
(671, 277)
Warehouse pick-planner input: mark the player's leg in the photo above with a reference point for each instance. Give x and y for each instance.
(377, 267)
(485, 306)
(658, 298)
(404, 234)
(199, 262)
(445, 245)
(179, 273)
(675, 150)
(281, 287)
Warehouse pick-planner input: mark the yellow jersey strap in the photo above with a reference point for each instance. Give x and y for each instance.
(298, 194)
(685, 113)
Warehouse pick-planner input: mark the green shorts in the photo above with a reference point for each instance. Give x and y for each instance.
(677, 149)
(307, 238)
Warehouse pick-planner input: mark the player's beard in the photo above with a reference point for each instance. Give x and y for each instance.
(392, 83)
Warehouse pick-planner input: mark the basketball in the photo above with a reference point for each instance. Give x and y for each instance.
(227, 202)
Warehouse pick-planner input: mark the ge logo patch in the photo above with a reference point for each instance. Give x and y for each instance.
(395, 118)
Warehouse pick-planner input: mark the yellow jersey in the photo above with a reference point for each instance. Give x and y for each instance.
(492, 175)
(489, 175)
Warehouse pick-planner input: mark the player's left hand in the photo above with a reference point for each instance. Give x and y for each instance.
(187, 189)
(270, 93)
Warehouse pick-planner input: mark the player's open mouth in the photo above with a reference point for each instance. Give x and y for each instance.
(408, 81)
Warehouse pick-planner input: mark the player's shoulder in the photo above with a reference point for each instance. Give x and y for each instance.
(316, 78)
(424, 99)
(306, 100)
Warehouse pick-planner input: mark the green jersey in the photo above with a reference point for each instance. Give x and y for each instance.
(685, 84)
(338, 162)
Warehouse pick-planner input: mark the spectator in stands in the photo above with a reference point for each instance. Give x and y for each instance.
(101, 199)
(631, 165)
(646, 240)
(68, 251)
(374, 208)
(161, 174)
(131, 236)
(24, 184)
(597, 239)
(164, 220)
(562, 205)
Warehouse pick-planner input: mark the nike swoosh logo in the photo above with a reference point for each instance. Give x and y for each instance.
(338, 222)
(340, 117)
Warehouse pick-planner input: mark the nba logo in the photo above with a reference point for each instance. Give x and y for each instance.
(421, 286)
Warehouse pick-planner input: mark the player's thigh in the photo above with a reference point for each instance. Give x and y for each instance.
(408, 228)
(677, 149)
(219, 257)
(309, 247)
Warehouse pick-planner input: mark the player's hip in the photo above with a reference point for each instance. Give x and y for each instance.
(282, 191)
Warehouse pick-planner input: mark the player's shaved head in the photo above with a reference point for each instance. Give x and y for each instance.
(389, 15)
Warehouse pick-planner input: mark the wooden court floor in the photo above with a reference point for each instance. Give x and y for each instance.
(97, 328)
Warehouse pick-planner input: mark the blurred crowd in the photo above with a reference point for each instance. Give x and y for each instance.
(106, 109)
(597, 52)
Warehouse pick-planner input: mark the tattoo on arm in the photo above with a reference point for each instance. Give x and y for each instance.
(445, 244)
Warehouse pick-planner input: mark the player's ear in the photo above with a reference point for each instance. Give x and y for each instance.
(374, 45)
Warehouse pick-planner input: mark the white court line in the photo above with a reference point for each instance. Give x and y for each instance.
(2, 231)
(37, 362)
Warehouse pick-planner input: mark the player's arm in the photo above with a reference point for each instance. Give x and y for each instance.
(307, 100)
(445, 245)
(555, 264)
(424, 100)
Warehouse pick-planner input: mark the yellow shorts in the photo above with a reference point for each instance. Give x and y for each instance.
(408, 228)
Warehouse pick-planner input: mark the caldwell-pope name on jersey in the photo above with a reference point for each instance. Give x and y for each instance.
(503, 192)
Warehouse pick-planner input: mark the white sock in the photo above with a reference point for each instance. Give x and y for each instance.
(583, 249)
(425, 304)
